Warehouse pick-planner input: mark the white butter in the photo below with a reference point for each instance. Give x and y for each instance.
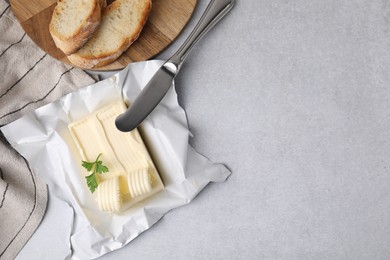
(139, 182)
(124, 154)
(108, 195)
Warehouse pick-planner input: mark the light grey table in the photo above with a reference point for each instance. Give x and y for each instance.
(294, 97)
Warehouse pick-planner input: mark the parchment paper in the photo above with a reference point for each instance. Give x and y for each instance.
(42, 137)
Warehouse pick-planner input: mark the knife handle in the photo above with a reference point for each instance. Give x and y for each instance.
(213, 13)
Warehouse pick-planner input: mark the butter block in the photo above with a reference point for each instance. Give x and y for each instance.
(125, 155)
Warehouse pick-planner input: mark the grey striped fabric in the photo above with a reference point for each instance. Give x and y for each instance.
(29, 78)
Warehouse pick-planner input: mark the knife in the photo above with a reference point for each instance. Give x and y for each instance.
(159, 84)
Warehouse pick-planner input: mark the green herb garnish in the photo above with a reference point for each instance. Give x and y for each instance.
(96, 167)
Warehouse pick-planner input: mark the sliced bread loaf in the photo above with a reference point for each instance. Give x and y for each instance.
(73, 22)
(121, 24)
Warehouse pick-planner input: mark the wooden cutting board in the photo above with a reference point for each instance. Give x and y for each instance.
(166, 20)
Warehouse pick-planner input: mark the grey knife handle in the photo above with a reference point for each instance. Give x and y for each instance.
(213, 13)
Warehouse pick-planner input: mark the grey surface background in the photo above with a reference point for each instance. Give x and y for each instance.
(293, 96)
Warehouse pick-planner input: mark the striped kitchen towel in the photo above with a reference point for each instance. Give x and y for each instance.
(29, 78)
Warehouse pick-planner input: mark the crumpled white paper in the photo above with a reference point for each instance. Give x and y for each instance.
(42, 137)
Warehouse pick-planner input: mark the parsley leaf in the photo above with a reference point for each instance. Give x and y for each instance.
(96, 167)
(100, 168)
(92, 182)
(87, 165)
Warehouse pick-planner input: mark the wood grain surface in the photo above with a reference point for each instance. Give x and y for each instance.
(166, 20)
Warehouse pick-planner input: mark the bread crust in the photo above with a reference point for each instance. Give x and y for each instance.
(103, 4)
(92, 61)
(70, 44)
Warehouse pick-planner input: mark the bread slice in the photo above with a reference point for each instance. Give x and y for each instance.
(121, 24)
(73, 22)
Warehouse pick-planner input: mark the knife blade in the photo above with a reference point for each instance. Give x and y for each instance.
(147, 100)
(159, 84)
